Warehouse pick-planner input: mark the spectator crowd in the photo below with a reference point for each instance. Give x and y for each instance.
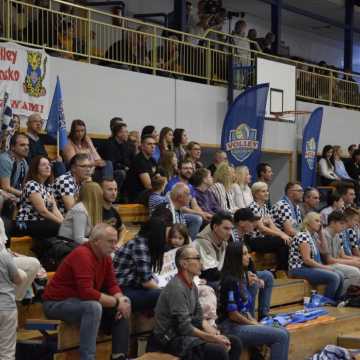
(215, 217)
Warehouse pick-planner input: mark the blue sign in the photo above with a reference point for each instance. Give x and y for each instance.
(243, 127)
(310, 147)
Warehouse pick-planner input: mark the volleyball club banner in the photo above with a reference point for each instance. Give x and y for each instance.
(25, 77)
(243, 128)
(310, 146)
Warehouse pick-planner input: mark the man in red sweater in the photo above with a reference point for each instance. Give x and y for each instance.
(84, 291)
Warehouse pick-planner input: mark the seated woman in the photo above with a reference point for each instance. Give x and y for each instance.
(166, 139)
(241, 190)
(339, 165)
(180, 141)
(326, 168)
(267, 238)
(84, 215)
(305, 260)
(236, 303)
(136, 262)
(223, 180)
(156, 196)
(80, 142)
(38, 215)
(168, 164)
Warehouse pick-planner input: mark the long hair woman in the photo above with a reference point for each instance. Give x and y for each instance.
(305, 259)
(136, 263)
(326, 167)
(166, 139)
(241, 190)
(38, 215)
(223, 181)
(236, 302)
(84, 215)
(180, 142)
(168, 164)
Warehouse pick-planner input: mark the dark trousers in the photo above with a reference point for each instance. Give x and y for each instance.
(217, 352)
(142, 299)
(271, 244)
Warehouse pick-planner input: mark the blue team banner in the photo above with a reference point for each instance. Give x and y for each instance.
(243, 127)
(55, 125)
(310, 147)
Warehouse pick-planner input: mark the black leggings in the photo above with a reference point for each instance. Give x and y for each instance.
(271, 244)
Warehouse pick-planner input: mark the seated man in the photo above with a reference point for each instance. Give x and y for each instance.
(333, 251)
(219, 157)
(211, 244)
(311, 201)
(119, 151)
(110, 215)
(202, 180)
(36, 145)
(347, 192)
(286, 212)
(244, 226)
(171, 211)
(67, 186)
(350, 237)
(179, 325)
(142, 169)
(192, 211)
(83, 285)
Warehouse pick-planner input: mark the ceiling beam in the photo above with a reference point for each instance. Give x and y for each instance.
(312, 15)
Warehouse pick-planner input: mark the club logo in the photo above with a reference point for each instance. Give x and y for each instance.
(310, 153)
(242, 142)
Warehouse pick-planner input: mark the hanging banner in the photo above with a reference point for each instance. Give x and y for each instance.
(25, 76)
(243, 128)
(310, 145)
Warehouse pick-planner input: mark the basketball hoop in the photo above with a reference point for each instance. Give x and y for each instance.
(290, 115)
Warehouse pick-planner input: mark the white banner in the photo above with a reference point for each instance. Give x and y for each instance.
(25, 75)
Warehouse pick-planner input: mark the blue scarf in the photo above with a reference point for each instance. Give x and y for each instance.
(314, 249)
(295, 213)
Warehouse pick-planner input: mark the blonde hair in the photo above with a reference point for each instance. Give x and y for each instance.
(310, 217)
(91, 195)
(223, 175)
(257, 186)
(241, 172)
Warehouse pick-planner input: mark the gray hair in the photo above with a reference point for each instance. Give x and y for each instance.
(99, 231)
(177, 190)
(180, 254)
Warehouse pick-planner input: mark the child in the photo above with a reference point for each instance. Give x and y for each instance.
(178, 236)
(9, 277)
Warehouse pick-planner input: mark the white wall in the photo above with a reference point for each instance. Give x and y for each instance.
(96, 94)
(339, 127)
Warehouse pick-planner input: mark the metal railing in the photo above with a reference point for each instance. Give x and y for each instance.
(85, 34)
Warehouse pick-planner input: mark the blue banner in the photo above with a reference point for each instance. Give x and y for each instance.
(55, 125)
(310, 147)
(243, 128)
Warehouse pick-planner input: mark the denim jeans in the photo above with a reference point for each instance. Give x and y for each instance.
(193, 223)
(89, 314)
(264, 293)
(333, 280)
(253, 335)
(142, 299)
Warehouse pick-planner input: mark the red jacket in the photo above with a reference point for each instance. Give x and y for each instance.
(82, 275)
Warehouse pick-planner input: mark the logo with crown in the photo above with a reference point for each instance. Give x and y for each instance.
(242, 142)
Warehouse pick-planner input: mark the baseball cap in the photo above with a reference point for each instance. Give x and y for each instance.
(245, 214)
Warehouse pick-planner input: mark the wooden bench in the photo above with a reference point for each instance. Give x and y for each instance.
(22, 245)
(133, 213)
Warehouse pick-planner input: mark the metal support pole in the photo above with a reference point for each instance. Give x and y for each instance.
(349, 35)
(230, 95)
(276, 9)
(180, 15)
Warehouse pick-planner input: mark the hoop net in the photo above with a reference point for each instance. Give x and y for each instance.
(291, 115)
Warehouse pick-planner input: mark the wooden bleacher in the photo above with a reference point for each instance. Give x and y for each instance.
(288, 295)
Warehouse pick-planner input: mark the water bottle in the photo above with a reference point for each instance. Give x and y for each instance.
(314, 299)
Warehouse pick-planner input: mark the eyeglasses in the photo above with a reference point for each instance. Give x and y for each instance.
(298, 190)
(193, 258)
(85, 166)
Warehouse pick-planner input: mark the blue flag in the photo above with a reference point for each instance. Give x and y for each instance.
(310, 147)
(243, 127)
(56, 120)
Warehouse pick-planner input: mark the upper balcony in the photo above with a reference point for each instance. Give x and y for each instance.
(84, 34)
